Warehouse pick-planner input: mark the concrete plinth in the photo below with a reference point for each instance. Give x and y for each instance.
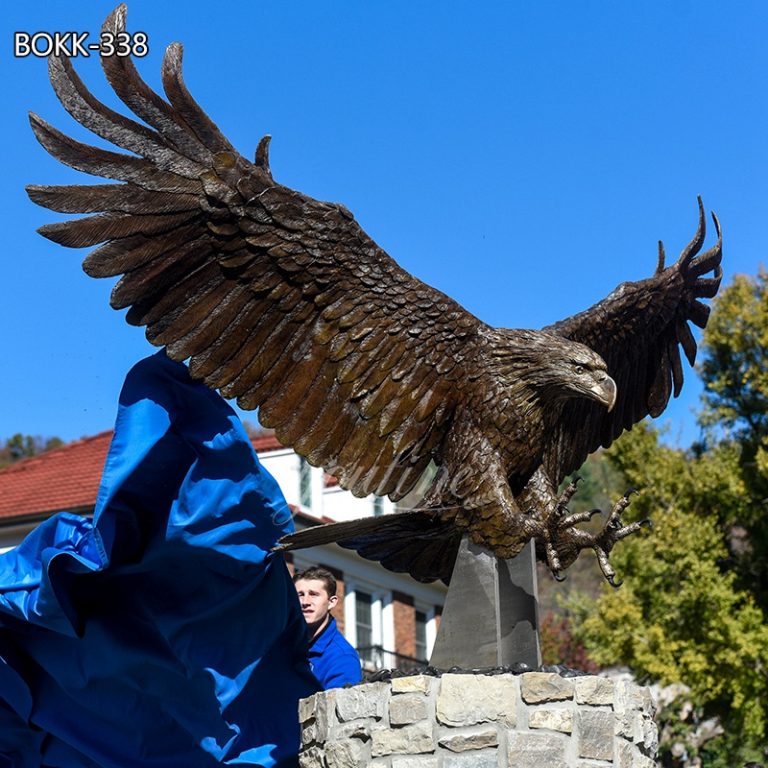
(533, 720)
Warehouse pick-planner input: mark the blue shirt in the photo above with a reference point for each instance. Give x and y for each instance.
(333, 660)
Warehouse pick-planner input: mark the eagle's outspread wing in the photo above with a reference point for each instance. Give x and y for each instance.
(285, 303)
(638, 330)
(279, 300)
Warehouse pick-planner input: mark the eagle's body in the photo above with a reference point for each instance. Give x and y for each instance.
(285, 303)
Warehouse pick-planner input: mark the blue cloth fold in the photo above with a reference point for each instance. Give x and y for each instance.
(164, 632)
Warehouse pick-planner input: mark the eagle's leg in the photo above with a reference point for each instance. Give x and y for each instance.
(471, 490)
(547, 512)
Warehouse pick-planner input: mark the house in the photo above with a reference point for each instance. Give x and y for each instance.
(391, 619)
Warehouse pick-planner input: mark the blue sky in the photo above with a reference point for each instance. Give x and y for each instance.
(522, 157)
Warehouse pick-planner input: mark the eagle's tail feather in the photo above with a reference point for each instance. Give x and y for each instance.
(406, 542)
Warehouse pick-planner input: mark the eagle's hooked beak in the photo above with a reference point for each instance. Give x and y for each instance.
(605, 392)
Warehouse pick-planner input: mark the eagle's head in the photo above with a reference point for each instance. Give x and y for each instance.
(558, 368)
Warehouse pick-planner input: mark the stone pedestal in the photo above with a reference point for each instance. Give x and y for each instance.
(499, 599)
(533, 720)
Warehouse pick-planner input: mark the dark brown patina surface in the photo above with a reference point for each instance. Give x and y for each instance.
(283, 302)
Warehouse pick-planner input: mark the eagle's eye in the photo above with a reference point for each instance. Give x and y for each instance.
(579, 369)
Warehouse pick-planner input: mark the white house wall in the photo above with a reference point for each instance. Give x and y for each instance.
(341, 505)
(331, 501)
(284, 467)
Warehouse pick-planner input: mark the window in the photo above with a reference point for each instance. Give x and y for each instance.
(421, 635)
(426, 631)
(364, 625)
(369, 623)
(305, 483)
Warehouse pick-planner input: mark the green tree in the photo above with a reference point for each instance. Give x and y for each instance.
(680, 617)
(735, 364)
(23, 446)
(693, 606)
(735, 375)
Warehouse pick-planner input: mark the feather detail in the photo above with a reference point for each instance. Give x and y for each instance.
(143, 101)
(673, 351)
(390, 538)
(685, 337)
(157, 276)
(185, 319)
(112, 126)
(248, 363)
(698, 314)
(132, 253)
(81, 233)
(100, 162)
(296, 387)
(268, 389)
(214, 325)
(125, 198)
(175, 301)
(221, 361)
(307, 408)
(189, 110)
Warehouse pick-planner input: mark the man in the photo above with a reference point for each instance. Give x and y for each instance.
(333, 660)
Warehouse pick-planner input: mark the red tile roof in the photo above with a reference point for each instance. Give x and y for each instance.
(67, 478)
(264, 442)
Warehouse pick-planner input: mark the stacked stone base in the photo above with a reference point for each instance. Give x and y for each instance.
(533, 720)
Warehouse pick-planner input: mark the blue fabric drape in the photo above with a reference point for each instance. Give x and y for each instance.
(164, 632)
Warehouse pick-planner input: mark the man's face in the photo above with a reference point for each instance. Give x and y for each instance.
(314, 600)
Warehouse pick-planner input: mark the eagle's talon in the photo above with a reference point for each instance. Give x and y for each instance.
(561, 540)
(558, 576)
(567, 494)
(553, 560)
(606, 567)
(622, 531)
(621, 505)
(579, 517)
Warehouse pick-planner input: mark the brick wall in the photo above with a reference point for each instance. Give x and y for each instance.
(404, 617)
(338, 611)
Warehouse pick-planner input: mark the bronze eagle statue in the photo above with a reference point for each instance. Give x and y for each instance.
(286, 304)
